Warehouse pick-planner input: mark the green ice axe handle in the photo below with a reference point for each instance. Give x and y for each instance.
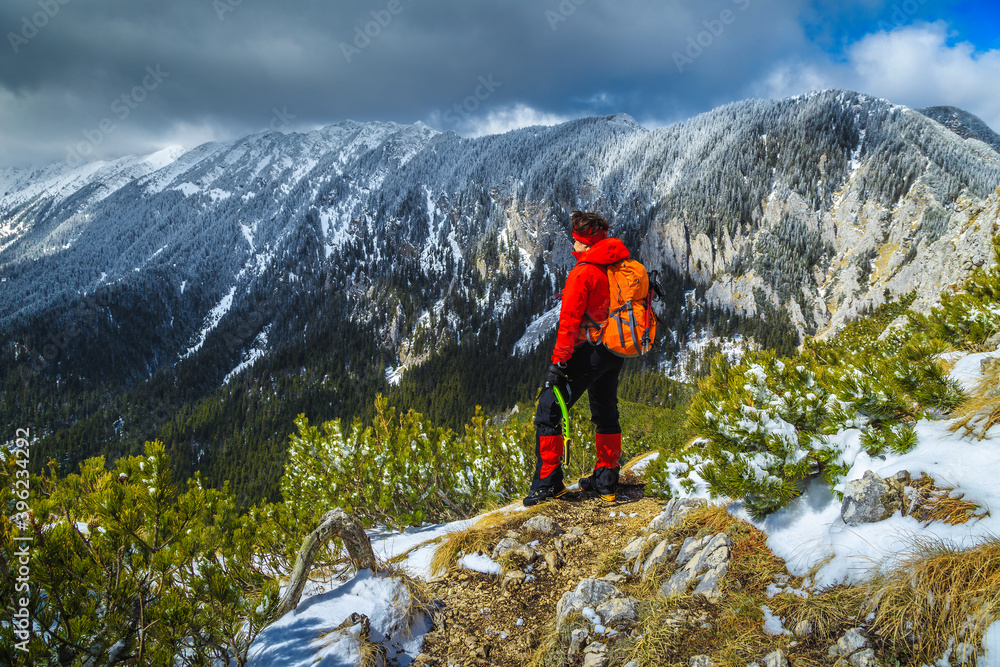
(565, 422)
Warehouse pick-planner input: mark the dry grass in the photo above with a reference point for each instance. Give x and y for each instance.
(666, 637)
(937, 593)
(982, 409)
(732, 631)
(940, 503)
(552, 648)
(480, 537)
(831, 612)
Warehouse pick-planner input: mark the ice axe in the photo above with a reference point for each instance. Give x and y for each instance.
(565, 422)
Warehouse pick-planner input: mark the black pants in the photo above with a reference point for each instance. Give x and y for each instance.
(594, 369)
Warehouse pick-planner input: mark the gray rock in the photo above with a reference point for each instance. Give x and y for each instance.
(803, 629)
(710, 585)
(613, 578)
(869, 499)
(631, 663)
(714, 553)
(661, 553)
(634, 548)
(678, 583)
(993, 342)
(853, 640)
(576, 530)
(700, 661)
(588, 593)
(964, 655)
(510, 545)
(705, 567)
(512, 579)
(619, 612)
(577, 639)
(563, 541)
(673, 512)
(552, 560)
(776, 659)
(864, 658)
(543, 525)
(691, 547)
(595, 655)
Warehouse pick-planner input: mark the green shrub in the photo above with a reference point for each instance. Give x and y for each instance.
(401, 471)
(122, 563)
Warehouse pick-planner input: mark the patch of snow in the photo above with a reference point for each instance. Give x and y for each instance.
(539, 328)
(480, 563)
(772, 623)
(212, 320)
(252, 355)
(309, 635)
(188, 189)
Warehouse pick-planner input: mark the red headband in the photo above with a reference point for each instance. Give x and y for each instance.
(590, 239)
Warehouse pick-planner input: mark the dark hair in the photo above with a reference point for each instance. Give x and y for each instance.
(588, 223)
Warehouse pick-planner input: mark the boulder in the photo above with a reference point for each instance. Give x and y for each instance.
(542, 525)
(869, 499)
(588, 593)
(595, 655)
(619, 612)
(853, 640)
(512, 546)
(776, 659)
(691, 547)
(705, 567)
(803, 629)
(661, 553)
(700, 661)
(578, 638)
(864, 658)
(673, 512)
(635, 548)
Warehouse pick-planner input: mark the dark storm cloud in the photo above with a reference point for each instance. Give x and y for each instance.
(230, 67)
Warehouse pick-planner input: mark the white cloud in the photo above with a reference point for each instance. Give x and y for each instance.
(496, 121)
(912, 65)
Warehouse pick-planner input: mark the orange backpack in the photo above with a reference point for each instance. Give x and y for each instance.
(631, 325)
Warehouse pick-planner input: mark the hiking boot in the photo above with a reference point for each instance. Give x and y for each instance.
(588, 484)
(542, 494)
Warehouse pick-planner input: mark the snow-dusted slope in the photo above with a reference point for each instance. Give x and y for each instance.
(821, 205)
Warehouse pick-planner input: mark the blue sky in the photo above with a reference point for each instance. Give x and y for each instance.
(133, 76)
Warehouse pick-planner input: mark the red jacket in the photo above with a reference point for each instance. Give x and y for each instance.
(586, 293)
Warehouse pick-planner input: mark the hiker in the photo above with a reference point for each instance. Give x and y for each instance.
(578, 365)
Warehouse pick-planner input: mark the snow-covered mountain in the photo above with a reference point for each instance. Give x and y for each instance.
(821, 205)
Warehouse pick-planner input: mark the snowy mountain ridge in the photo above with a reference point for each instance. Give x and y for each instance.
(821, 205)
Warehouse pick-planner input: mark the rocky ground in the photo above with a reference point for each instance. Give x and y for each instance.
(487, 619)
(640, 582)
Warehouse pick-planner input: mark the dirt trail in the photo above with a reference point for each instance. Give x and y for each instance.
(480, 623)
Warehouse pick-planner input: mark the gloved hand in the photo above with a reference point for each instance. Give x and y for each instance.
(557, 377)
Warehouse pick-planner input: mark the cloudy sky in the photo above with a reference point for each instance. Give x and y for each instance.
(112, 77)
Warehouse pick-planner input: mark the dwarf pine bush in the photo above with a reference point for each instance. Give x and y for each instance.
(125, 567)
(762, 422)
(765, 423)
(400, 470)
